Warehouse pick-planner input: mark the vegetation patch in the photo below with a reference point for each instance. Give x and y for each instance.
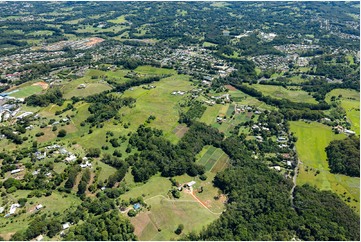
(313, 138)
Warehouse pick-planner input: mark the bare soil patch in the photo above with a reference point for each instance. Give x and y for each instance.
(230, 87)
(43, 85)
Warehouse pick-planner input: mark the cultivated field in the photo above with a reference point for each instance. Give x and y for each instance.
(312, 140)
(214, 159)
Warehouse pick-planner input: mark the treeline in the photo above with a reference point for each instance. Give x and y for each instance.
(51, 96)
(157, 154)
(281, 103)
(344, 156)
(135, 82)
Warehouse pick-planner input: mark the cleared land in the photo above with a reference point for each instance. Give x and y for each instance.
(312, 140)
(214, 159)
(167, 213)
(26, 91)
(281, 92)
(350, 102)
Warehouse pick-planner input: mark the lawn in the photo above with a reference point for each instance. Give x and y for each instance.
(350, 102)
(312, 140)
(26, 91)
(281, 92)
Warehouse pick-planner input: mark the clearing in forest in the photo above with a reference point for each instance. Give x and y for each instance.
(313, 138)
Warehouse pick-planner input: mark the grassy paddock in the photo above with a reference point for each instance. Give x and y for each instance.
(281, 92)
(350, 101)
(312, 140)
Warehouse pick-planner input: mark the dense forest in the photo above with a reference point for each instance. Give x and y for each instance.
(344, 156)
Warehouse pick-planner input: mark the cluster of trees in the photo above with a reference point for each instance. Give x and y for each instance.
(40, 225)
(85, 178)
(109, 226)
(51, 96)
(158, 154)
(9, 134)
(72, 174)
(105, 106)
(344, 156)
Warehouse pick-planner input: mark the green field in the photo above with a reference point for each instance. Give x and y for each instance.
(350, 102)
(208, 44)
(214, 159)
(26, 91)
(92, 86)
(312, 140)
(167, 213)
(119, 20)
(281, 92)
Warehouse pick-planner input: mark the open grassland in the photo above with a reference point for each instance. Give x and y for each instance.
(54, 203)
(158, 102)
(106, 170)
(91, 29)
(312, 140)
(26, 91)
(281, 92)
(242, 98)
(209, 116)
(92, 86)
(150, 70)
(208, 44)
(350, 102)
(166, 213)
(119, 20)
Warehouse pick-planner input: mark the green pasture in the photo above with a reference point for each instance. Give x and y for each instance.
(119, 20)
(165, 215)
(26, 91)
(313, 138)
(158, 102)
(91, 29)
(350, 102)
(208, 44)
(281, 92)
(150, 70)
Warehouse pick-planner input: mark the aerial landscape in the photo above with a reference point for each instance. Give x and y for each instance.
(159, 121)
